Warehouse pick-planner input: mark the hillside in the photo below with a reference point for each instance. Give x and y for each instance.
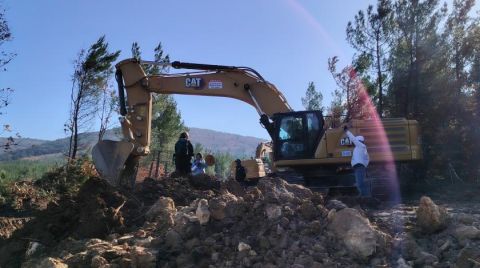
(225, 142)
(214, 140)
(23, 143)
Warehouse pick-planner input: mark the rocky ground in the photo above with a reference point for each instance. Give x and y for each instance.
(200, 222)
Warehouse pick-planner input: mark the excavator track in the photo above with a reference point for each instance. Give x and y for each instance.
(324, 184)
(343, 185)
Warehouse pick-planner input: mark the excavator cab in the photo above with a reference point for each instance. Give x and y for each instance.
(297, 134)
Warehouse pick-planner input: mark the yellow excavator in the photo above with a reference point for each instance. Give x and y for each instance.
(304, 143)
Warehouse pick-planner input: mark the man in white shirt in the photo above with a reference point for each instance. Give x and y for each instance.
(359, 162)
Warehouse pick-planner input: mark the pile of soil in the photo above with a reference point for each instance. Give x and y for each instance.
(94, 212)
(200, 222)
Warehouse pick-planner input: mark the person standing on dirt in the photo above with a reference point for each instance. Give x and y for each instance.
(360, 160)
(183, 154)
(240, 172)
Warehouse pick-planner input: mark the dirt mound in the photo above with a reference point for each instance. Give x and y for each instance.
(93, 213)
(8, 225)
(24, 195)
(197, 222)
(182, 190)
(200, 222)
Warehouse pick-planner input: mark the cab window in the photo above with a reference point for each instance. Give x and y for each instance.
(291, 137)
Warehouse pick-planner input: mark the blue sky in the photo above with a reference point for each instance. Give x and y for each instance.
(287, 41)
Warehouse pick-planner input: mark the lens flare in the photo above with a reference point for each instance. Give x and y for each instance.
(385, 171)
(304, 14)
(381, 150)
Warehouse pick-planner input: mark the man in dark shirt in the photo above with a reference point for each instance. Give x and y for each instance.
(183, 154)
(240, 172)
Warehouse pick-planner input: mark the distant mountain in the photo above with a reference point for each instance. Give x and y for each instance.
(216, 141)
(22, 143)
(225, 142)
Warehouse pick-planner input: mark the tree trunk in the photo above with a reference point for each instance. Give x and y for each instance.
(379, 73)
(76, 113)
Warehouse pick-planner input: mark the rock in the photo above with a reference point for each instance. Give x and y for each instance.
(142, 257)
(47, 263)
(204, 182)
(234, 187)
(217, 208)
(125, 239)
(202, 213)
(125, 263)
(98, 262)
(253, 194)
(464, 232)
(430, 217)
(401, 263)
(465, 257)
(304, 260)
(425, 258)
(276, 190)
(464, 218)
(243, 247)
(215, 256)
(335, 204)
(409, 248)
(190, 244)
(331, 214)
(444, 246)
(144, 242)
(173, 240)
(355, 232)
(183, 260)
(33, 247)
(165, 208)
(308, 210)
(273, 211)
(226, 206)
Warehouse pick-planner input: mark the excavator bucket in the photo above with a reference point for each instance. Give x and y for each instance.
(110, 159)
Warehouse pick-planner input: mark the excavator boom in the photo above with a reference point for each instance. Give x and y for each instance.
(240, 83)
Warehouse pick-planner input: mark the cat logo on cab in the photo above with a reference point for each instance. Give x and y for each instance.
(193, 82)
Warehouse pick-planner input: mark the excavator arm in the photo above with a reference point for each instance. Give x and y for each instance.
(116, 160)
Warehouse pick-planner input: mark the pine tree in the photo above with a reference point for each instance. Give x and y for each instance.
(313, 98)
(370, 35)
(92, 71)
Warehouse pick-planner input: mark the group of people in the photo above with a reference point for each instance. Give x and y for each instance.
(184, 153)
(183, 157)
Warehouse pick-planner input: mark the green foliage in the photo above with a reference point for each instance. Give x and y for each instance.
(167, 122)
(26, 169)
(158, 57)
(5, 58)
(198, 148)
(222, 163)
(92, 71)
(68, 178)
(313, 98)
(5, 36)
(370, 34)
(430, 64)
(350, 97)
